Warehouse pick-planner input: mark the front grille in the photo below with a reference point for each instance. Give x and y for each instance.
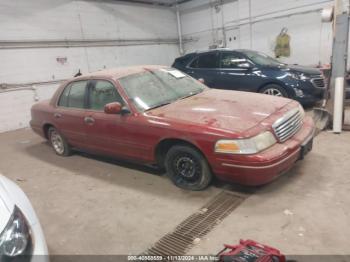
(318, 82)
(288, 125)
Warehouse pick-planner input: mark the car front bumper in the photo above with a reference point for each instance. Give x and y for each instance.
(262, 168)
(310, 93)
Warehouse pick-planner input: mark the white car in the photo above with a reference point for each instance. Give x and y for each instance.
(21, 233)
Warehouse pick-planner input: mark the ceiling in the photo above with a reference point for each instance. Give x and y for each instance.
(158, 2)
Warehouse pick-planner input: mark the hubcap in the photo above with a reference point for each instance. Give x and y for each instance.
(187, 168)
(273, 92)
(57, 142)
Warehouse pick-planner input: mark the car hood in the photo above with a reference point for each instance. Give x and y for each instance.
(231, 111)
(304, 70)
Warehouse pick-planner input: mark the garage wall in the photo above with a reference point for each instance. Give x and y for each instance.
(255, 24)
(140, 34)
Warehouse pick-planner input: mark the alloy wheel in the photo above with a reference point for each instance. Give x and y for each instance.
(57, 142)
(273, 92)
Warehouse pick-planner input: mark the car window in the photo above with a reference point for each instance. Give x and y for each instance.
(76, 96)
(154, 88)
(64, 97)
(262, 59)
(209, 60)
(103, 93)
(231, 60)
(73, 95)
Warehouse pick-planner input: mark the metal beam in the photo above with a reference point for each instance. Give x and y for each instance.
(8, 44)
(154, 2)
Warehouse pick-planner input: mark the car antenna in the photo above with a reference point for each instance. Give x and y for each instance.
(78, 74)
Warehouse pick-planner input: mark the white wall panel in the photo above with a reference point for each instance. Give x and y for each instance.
(311, 40)
(15, 106)
(195, 17)
(74, 19)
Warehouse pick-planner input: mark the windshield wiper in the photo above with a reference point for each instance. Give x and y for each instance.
(160, 105)
(191, 94)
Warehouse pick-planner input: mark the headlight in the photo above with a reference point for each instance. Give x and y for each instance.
(15, 239)
(298, 76)
(246, 146)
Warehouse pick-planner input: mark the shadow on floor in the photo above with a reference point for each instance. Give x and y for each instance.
(79, 162)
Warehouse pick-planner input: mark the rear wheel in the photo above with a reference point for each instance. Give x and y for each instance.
(59, 143)
(274, 90)
(187, 168)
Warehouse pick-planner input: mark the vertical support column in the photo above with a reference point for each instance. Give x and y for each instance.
(338, 105)
(179, 29)
(250, 24)
(339, 62)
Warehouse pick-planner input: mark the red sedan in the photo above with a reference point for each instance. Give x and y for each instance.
(160, 116)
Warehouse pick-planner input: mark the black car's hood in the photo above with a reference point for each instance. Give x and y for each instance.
(304, 69)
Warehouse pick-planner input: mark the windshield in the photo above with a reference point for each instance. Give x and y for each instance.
(262, 59)
(155, 88)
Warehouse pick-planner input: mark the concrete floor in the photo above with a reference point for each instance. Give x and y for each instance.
(88, 205)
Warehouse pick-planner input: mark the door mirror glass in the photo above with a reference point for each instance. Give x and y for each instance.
(244, 65)
(113, 108)
(234, 60)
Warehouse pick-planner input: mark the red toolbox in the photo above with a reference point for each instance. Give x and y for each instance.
(250, 251)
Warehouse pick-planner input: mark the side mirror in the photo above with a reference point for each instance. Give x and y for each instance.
(113, 108)
(245, 65)
(201, 80)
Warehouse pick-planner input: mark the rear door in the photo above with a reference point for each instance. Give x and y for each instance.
(205, 66)
(70, 112)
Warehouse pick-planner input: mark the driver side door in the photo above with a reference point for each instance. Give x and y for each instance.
(236, 73)
(105, 133)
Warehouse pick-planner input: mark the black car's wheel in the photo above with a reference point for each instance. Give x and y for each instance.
(59, 143)
(274, 90)
(187, 168)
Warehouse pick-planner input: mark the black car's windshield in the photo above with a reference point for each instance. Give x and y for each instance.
(155, 88)
(262, 59)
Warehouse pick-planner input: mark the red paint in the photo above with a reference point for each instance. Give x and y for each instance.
(200, 120)
(250, 250)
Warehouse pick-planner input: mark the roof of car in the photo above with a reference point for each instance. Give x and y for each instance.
(120, 72)
(218, 49)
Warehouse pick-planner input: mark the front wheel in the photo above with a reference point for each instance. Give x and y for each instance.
(59, 143)
(274, 90)
(187, 168)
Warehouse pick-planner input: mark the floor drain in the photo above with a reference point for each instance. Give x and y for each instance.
(192, 229)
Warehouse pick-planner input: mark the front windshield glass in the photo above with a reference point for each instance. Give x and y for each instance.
(155, 88)
(262, 59)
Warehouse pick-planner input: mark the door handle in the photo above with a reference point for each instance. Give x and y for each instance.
(57, 115)
(89, 120)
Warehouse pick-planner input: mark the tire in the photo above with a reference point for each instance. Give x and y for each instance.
(187, 168)
(59, 143)
(274, 90)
